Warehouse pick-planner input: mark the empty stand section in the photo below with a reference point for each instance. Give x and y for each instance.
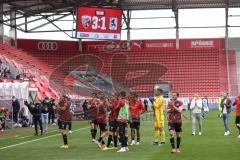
(199, 66)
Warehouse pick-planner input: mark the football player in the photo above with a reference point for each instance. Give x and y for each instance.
(136, 110)
(158, 108)
(175, 121)
(64, 118)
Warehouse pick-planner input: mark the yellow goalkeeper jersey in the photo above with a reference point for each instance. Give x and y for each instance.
(158, 106)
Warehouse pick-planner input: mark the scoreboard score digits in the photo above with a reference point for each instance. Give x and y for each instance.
(99, 23)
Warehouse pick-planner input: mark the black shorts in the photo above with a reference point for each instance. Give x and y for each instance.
(177, 127)
(135, 125)
(237, 120)
(113, 125)
(62, 124)
(94, 121)
(103, 127)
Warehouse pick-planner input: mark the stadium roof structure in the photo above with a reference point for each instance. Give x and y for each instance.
(33, 7)
(181, 4)
(49, 10)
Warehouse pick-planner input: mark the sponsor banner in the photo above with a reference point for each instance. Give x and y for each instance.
(95, 35)
(47, 45)
(153, 45)
(202, 44)
(99, 20)
(135, 45)
(112, 46)
(108, 46)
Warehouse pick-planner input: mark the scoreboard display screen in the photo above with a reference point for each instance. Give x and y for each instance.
(99, 23)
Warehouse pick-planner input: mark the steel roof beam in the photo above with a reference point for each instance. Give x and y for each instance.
(52, 22)
(21, 7)
(11, 1)
(40, 26)
(42, 31)
(226, 44)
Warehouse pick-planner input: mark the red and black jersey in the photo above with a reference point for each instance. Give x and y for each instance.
(237, 104)
(101, 113)
(136, 109)
(92, 108)
(173, 115)
(131, 101)
(93, 102)
(114, 111)
(121, 103)
(64, 114)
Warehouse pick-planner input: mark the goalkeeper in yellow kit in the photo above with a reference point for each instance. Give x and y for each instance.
(158, 110)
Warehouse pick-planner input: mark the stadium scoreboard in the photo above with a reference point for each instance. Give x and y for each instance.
(99, 23)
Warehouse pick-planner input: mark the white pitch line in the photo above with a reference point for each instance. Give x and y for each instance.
(22, 137)
(35, 140)
(33, 135)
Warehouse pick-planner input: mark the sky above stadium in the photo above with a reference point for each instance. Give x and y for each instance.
(187, 18)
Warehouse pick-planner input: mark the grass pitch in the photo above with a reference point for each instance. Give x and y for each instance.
(19, 144)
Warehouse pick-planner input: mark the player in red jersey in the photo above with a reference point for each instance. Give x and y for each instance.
(175, 121)
(123, 118)
(113, 124)
(64, 118)
(136, 109)
(101, 119)
(237, 121)
(92, 115)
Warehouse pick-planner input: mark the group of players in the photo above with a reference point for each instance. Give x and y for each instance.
(114, 114)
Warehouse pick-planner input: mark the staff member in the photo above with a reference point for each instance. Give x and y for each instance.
(45, 113)
(226, 110)
(35, 109)
(51, 109)
(196, 107)
(205, 107)
(16, 108)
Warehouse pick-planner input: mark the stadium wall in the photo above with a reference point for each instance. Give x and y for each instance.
(199, 66)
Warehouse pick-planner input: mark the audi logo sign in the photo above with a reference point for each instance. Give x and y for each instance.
(47, 46)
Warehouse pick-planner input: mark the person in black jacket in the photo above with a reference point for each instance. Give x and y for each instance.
(145, 102)
(36, 110)
(85, 109)
(51, 110)
(16, 108)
